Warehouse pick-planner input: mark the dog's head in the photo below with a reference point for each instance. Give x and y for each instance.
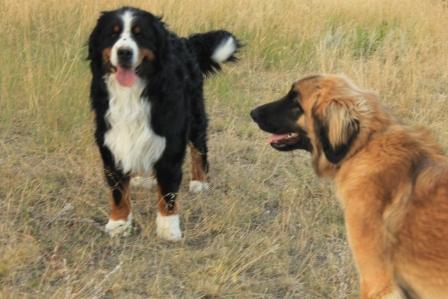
(127, 42)
(326, 115)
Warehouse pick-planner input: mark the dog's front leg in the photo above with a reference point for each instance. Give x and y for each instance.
(120, 219)
(169, 177)
(366, 235)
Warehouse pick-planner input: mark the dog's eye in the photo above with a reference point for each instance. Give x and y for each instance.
(297, 109)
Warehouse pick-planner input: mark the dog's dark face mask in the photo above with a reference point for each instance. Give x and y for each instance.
(281, 119)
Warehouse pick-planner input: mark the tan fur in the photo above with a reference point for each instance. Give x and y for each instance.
(393, 187)
(198, 173)
(145, 54)
(136, 29)
(162, 205)
(106, 57)
(121, 212)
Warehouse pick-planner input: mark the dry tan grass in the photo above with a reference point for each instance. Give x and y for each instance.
(268, 228)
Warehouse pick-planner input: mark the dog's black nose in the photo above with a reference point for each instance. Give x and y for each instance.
(255, 114)
(124, 54)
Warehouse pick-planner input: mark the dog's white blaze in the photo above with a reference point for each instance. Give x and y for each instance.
(224, 50)
(168, 227)
(125, 40)
(133, 143)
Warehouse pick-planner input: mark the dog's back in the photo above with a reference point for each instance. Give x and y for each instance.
(411, 187)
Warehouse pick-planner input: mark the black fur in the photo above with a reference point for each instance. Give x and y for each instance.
(337, 153)
(174, 87)
(280, 117)
(204, 43)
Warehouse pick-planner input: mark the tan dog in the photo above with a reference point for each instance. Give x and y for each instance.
(392, 182)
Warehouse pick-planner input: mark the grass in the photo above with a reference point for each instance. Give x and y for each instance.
(268, 228)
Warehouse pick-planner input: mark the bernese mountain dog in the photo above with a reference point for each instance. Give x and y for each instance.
(147, 95)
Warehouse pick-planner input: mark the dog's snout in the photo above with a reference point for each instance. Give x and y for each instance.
(124, 54)
(255, 114)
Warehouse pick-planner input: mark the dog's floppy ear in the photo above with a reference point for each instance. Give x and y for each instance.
(336, 128)
(92, 43)
(162, 36)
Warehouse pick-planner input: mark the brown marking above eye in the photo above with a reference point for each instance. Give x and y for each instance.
(136, 30)
(116, 29)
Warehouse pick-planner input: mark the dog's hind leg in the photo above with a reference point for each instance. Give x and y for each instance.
(198, 147)
(199, 169)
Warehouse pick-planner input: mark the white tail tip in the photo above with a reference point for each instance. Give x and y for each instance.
(224, 50)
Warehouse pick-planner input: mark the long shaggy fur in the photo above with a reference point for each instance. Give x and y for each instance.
(392, 181)
(147, 95)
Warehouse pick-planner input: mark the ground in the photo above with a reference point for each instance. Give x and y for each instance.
(268, 228)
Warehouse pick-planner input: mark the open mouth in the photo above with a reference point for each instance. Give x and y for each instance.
(125, 76)
(290, 141)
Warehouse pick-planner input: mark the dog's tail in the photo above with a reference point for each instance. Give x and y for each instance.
(214, 48)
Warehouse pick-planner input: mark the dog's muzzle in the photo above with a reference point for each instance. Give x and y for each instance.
(125, 57)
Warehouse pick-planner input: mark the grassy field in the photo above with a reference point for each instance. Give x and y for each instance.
(268, 228)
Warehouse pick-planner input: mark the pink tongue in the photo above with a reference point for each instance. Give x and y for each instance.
(275, 138)
(125, 77)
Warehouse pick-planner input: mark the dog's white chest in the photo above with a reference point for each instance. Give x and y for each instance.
(131, 140)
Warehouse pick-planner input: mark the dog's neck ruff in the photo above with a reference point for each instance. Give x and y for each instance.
(133, 143)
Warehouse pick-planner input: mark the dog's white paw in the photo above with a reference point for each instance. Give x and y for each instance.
(119, 227)
(168, 227)
(145, 182)
(198, 186)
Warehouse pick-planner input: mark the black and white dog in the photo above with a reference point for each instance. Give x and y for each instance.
(147, 94)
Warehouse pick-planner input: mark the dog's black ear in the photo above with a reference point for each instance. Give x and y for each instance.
(92, 44)
(94, 54)
(336, 129)
(162, 36)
